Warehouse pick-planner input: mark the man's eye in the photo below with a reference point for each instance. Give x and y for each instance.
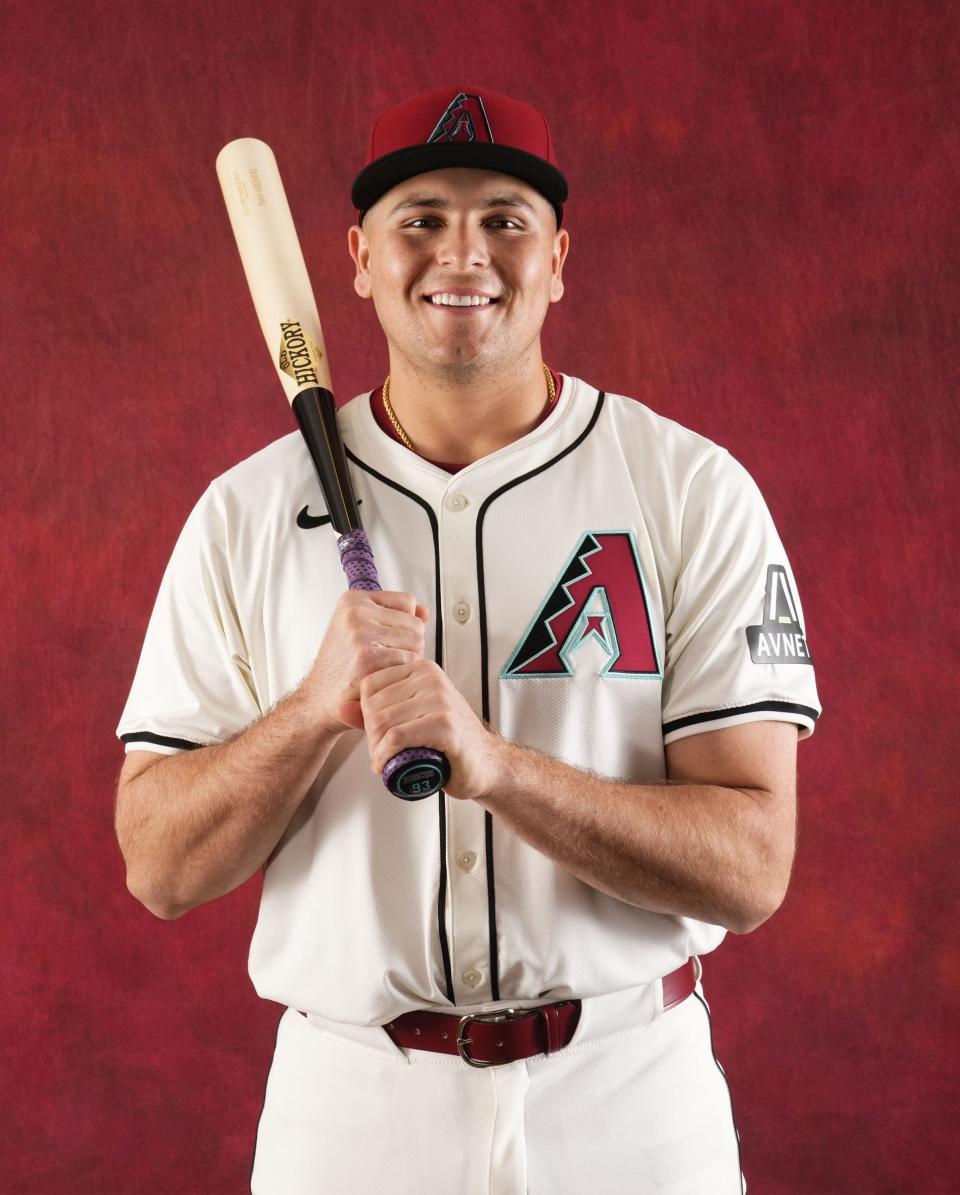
(430, 220)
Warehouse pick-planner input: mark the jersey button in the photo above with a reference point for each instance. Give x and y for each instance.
(467, 860)
(461, 612)
(472, 977)
(455, 502)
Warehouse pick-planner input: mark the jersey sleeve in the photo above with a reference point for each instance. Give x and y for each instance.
(193, 684)
(736, 643)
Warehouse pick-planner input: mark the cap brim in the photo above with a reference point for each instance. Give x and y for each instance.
(378, 177)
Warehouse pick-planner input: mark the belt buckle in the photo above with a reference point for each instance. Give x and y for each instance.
(487, 1018)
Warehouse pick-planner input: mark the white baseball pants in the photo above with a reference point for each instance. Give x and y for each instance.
(635, 1103)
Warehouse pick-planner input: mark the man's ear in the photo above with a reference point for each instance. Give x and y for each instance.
(360, 252)
(561, 244)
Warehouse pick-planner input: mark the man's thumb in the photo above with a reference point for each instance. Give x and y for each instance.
(350, 713)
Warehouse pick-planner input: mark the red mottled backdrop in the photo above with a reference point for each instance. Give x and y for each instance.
(763, 219)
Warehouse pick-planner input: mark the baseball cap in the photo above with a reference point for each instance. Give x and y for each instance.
(459, 126)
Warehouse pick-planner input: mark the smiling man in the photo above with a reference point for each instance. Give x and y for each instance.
(589, 610)
(462, 265)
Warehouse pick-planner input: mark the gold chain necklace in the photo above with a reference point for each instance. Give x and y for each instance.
(391, 415)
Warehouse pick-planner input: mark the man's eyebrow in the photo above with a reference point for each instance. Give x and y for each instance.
(435, 201)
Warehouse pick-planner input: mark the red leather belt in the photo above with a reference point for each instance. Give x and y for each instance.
(492, 1038)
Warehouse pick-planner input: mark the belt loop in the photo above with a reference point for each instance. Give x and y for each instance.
(552, 1021)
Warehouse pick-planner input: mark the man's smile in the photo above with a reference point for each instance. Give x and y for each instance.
(461, 299)
(460, 308)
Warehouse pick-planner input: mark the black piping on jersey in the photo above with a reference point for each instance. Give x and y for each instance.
(438, 652)
(758, 707)
(485, 683)
(736, 1131)
(163, 740)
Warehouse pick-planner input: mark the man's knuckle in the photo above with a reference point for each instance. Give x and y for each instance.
(351, 619)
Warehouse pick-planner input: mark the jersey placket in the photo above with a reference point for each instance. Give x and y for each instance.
(467, 896)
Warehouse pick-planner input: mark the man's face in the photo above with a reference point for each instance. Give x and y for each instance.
(457, 230)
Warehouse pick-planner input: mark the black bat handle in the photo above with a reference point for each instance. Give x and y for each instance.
(417, 772)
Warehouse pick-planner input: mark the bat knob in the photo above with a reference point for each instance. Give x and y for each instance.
(416, 773)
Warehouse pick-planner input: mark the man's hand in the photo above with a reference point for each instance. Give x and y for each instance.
(367, 633)
(417, 705)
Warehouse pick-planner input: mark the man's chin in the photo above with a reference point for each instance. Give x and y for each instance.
(462, 360)
(466, 369)
(457, 362)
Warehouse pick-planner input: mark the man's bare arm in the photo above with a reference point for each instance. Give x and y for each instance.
(714, 842)
(194, 826)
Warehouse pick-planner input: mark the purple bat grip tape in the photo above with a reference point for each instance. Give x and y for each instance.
(417, 772)
(357, 560)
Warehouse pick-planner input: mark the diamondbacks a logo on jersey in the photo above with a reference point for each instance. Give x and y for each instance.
(599, 598)
(464, 120)
(779, 639)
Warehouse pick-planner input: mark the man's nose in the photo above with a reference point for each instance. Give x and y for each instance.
(462, 243)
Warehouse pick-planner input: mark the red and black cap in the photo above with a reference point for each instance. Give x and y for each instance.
(460, 126)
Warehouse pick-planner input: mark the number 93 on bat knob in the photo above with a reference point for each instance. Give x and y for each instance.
(416, 773)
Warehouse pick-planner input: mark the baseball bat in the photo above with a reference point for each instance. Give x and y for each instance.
(287, 310)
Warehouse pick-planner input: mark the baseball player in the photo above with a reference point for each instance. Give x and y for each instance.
(588, 609)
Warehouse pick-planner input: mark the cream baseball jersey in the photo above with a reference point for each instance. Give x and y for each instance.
(607, 584)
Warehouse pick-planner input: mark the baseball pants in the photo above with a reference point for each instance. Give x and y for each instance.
(635, 1103)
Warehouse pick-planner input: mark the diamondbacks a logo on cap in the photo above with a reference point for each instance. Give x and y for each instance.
(598, 598)
(464, 120)
(779, 639)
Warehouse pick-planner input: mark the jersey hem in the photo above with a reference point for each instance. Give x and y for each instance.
(160, 740)
(784, 711)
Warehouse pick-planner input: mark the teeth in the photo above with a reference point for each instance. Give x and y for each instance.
(459, 300)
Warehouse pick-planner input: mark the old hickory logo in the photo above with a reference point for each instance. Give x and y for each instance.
(299, 356)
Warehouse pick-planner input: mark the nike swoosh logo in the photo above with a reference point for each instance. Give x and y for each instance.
(306, 521)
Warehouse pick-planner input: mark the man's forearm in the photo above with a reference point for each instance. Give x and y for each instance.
(696, 850)
(196, 825)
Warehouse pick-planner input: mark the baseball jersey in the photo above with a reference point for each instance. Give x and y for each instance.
(605, 585)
